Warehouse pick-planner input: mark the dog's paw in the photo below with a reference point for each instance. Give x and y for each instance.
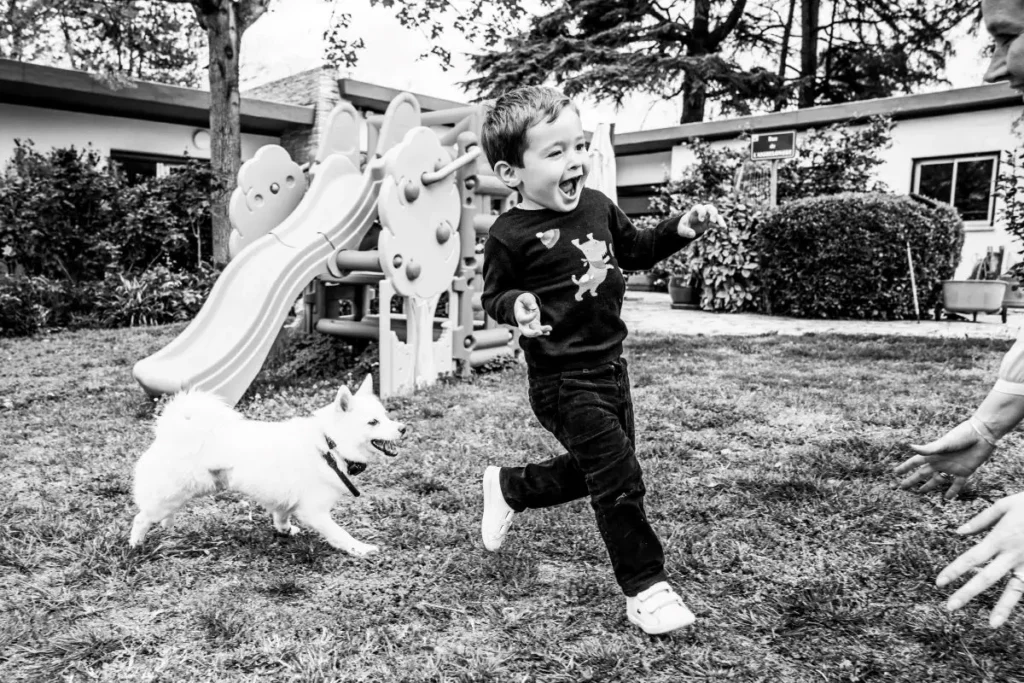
(362, 549)
(290, 530)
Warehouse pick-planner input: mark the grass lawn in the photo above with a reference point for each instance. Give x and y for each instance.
(768, 463)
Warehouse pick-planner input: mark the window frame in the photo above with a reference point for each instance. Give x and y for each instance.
(995, 156)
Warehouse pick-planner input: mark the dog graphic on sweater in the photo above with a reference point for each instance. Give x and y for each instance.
(595, 256)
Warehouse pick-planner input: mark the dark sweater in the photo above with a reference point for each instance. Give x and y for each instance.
(571, 262)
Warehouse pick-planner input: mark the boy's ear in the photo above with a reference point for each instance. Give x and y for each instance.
(508, 174)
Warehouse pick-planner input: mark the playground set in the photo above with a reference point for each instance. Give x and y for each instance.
(405, 226)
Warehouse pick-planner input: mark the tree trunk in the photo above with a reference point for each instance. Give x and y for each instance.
(787, 34)
(694, 99)
(808, 53)
(225, 117)
(694, 87)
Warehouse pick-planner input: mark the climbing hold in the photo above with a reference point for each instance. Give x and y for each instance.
(397, 261)
(411, 191)
(413, 270)
(444, 232)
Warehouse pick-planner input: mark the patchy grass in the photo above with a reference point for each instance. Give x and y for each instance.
(768, 462)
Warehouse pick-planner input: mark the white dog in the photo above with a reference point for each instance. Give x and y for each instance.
(296, 467)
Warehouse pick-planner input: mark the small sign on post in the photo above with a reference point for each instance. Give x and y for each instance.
(772, 147)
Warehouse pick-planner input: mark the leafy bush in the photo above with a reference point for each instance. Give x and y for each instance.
(56, 211)
(27, 304)
(156, 296)
(167, 219)
(845, 256)
(66, 216)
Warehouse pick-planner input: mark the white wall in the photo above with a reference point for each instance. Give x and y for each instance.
(50, 128)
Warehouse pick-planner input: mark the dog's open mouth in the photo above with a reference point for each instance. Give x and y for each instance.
(354, 468)
(388, 448)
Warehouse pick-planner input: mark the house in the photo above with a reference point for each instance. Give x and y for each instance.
(151, 127)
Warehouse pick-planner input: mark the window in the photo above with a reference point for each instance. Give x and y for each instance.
(138, 167)
(967, 183)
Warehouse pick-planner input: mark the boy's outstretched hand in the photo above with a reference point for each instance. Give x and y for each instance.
(528, 316)
(699, 220)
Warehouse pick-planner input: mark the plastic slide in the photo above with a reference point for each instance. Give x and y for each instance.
(224, 347)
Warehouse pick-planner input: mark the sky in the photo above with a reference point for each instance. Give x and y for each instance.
(289, 39)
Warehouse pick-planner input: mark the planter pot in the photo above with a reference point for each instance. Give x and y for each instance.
(683, 296)
(640, 282)
(973, 296)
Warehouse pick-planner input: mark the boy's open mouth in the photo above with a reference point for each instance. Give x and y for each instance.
(571, 186)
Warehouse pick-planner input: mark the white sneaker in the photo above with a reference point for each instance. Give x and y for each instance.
(497, 514)
(658, 610)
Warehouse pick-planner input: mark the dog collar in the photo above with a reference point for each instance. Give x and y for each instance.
(329, 458)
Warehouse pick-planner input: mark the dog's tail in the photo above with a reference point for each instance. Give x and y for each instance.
(192, 414)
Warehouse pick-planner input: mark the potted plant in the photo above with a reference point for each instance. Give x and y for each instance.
(684, 281)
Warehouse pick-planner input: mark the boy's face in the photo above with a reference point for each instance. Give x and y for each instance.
(555, 165)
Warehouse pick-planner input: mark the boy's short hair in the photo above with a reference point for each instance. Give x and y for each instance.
(513, 114)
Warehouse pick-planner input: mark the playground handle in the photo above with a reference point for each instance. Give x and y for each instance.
(432, 177)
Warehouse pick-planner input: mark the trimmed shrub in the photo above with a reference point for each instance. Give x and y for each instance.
(845, 256)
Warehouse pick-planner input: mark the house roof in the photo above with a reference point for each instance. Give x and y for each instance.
(302, 88)
(958, 100)
(45, 86)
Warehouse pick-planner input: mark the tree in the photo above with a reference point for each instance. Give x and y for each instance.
(119, 41)
(610, 49)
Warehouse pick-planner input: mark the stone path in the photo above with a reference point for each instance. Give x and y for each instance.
(651, 312)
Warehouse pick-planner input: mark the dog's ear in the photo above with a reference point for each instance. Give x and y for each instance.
(367, 386)
(344, 399)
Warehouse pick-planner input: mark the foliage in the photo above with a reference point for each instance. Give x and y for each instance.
(768, 464)
(845, 256)
(155, 296)
(56, 210)
(741, 55)
(167, 219)
(27, 304)
(1010, 191)
(67, 216)
(725, 264)
(153, 40)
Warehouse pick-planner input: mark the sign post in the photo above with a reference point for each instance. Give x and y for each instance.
(772, 147)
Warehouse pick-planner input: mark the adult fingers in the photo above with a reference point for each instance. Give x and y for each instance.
(1009, 599)
(978, 555)
(984, 519)
(957, 486)
(982, 580)
(911, 463)
(933, 483)
(921, 475)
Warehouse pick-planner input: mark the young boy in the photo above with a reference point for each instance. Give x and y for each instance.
(552, 268)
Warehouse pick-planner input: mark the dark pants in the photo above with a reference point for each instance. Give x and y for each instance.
(591, 413)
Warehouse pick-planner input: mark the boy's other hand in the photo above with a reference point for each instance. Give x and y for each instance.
(528, 316)
(699, 220)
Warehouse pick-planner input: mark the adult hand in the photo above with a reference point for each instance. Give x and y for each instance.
(699, 220)
(527, 314)
(1002, 549)
(952, 459)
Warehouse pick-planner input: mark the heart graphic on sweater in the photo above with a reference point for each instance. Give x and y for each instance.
(548, 237)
